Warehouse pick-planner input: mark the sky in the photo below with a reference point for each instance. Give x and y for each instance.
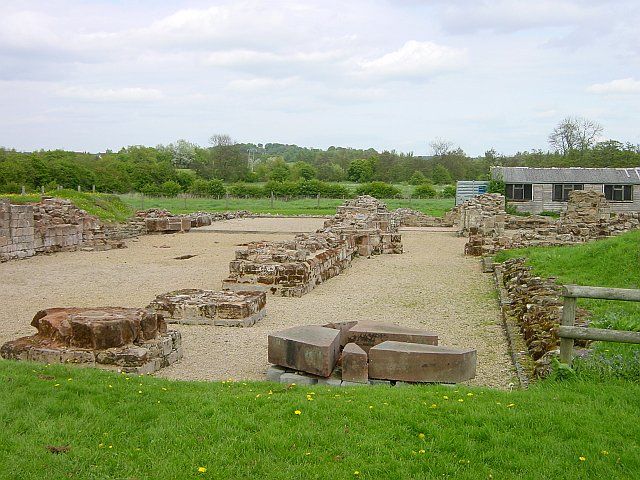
(103, 74)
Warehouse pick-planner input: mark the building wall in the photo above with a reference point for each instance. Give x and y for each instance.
(543, 193)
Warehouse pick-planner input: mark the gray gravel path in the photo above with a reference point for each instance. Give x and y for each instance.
(432, 286)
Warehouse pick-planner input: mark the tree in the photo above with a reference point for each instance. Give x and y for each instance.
(417, 178)
(360, 171)
(303, 171)
(221, 140)
(574, 133)
(441, 175)
(182, 153)
(440, 146)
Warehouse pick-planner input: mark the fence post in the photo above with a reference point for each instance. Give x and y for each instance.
(23, 191)
(93, 188)
(568, 319)
(271, 198)
(318, 200)
(79, 188)
(42, 189)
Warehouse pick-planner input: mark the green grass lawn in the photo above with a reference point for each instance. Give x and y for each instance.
(306, 206)
(108, 208)
(613, 262)
(126, 427)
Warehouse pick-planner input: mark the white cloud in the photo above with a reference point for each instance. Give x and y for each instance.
(414, 60)
(260, 83)
(621, 86)
(127, 94)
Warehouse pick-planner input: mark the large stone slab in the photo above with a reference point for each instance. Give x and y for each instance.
(354, 364)
(312, 349)
(369, 334)
(412, 362)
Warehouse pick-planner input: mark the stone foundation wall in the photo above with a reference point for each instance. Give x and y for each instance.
(412, 218)
(362, 226)
(587, 218)
(52, 225)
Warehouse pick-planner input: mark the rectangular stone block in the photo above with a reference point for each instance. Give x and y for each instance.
(369, 334)
(354, 364)
(312, 349)
(413, 362)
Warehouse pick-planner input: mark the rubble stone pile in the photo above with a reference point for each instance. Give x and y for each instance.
(292, 268)
(363, 353)
(52, 225)
(206, 307)
(131, 340)
(587, 217)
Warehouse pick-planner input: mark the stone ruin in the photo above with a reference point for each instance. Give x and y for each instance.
(206, 307)
(406, 217)
(535, 303)
(362, 226)
(587, 217)
(130, 340)
(365, 353)
(52, 225)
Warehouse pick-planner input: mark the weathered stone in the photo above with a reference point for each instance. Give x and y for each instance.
(369, 334)
(298, 379)
(225, 308)
(412, 362)
(354, 364)
(344, 328)
(310, 349)
(274, 372)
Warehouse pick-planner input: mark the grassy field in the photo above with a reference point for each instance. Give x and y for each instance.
(613, 262)
(109, 208)
(106, 425)
(307, 206)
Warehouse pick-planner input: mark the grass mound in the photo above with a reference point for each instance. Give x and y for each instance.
(108, 208)
(84, 423)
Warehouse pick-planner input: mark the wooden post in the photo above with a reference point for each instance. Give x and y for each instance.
(318, 200)
(93, 188)
(23, 191)
(568, 319)
(271, 198)
(79, 188)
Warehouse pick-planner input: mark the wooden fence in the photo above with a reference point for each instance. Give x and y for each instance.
(568, 332)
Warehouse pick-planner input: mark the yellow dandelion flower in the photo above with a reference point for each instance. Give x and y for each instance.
(413, 452)
(469, 394)
(101, 445)
(433, 405)
(202, 469)
(604, 452)
(421, 435)
(461, 399)
(139, 391)
(57, 385)
(110, 446)
(297, 412)
(110, 386)
(356, 472)
(69, 379)
(421, 450)
(164, 389)
(511, 405)
(370, 406)
(445, 397)
(307, 453)
(385, 403)
(270, 392)
(582, 459)
(258, 395)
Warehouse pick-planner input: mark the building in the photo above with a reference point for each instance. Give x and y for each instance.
(547, 189)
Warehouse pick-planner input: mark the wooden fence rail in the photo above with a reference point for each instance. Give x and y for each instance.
(568, 332)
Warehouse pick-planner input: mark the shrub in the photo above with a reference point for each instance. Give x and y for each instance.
(280, 189)
(425, 190)
(417, 178)
(151, 190)
(170, 188)
(242, 189)
(449, 191)
(378, 190)
(209, 188)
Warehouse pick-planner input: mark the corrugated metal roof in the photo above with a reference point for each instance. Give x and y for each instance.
(616, 176)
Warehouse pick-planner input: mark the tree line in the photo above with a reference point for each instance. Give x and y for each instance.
(185, 167)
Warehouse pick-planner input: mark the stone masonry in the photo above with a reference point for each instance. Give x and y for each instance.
(206, 307)
(52, 225)
(362, 226)
(130, 340)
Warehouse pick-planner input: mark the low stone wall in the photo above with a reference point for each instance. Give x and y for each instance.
(362, 226)
(412, 218)
(52, 225)
(536, 305)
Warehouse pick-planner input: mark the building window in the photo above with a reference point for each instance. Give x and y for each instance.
(519, 191)
(618, 193)
(561, 191)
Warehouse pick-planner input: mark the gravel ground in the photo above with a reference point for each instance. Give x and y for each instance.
(432, 286)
